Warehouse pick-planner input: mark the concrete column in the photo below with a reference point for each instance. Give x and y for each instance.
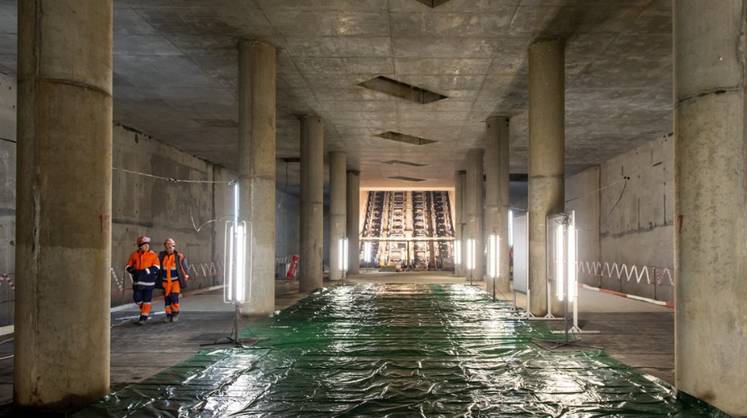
(496, 193)
(460, 179)
(352, 219)
(64, 192)
(710, 196)
(473, 211)
(312, 204)
(257, 73)
(337, 207)
(546, 157)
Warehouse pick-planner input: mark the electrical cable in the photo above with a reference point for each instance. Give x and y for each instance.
(172, 179)
(619, 198)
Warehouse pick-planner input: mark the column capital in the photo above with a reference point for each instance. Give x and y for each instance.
(547, 42)
(307, 116)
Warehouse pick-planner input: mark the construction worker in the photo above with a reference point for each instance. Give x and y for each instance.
(143, 266)
(173, 278)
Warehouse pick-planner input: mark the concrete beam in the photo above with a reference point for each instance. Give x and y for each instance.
(710, 196)
(257, 76)
(64, 193)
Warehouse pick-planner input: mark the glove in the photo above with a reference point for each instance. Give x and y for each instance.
(131, 270)
(147, 271)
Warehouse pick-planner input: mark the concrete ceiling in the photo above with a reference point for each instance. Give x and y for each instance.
(175, 75)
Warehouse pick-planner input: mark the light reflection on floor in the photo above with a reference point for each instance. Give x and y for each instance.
(398, 350)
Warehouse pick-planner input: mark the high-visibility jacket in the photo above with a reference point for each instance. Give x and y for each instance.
(144, 267)
(173, 267)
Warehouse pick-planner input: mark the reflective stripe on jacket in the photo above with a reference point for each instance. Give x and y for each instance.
(170, 269)
(144, 266)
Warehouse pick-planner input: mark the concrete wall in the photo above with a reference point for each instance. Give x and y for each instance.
(635, 210)
(161, 209)
(287, 223)
(582, 196)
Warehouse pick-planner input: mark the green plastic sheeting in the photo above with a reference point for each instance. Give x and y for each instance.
(398, 350)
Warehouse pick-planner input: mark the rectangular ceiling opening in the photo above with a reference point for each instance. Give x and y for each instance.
(408, 139)
(400, 162)
(405, 178)
(402, 90)
(432, 3)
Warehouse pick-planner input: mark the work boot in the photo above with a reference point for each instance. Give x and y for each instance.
(174, 316)
(169, 318)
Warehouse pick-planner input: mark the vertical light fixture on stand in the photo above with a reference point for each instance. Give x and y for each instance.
(527, 313)
(559, 261)
(554, 227)
(510, 228)
(471, 258)
(567, 273)
(367, 253)
(457, 255)
(494, 259)
(343, 258)
(237, 251)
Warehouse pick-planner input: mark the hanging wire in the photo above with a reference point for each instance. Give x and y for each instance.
(172, 179)
(624, 179)
(619, 198)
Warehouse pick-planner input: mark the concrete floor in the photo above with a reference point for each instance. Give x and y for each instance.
(636, 333)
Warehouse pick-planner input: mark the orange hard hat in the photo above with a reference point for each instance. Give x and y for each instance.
(143, 240)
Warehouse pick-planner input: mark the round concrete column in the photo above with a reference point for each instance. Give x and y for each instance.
(496, 193)
(352, 218)
(337, 224)
(64, 190)
(473, 210)
(257, 73)
(710, 196)
(546, 157)
(460, 179)
(312, 195)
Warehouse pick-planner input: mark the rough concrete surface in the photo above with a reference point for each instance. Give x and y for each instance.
(175, 73)
(7, 196)
(710, 196)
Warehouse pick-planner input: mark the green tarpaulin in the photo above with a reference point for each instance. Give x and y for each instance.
(398, 350)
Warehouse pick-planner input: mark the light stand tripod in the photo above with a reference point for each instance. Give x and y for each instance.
(234, 338)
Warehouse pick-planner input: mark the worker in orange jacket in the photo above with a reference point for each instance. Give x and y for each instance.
(143, 266)
(173, 278)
